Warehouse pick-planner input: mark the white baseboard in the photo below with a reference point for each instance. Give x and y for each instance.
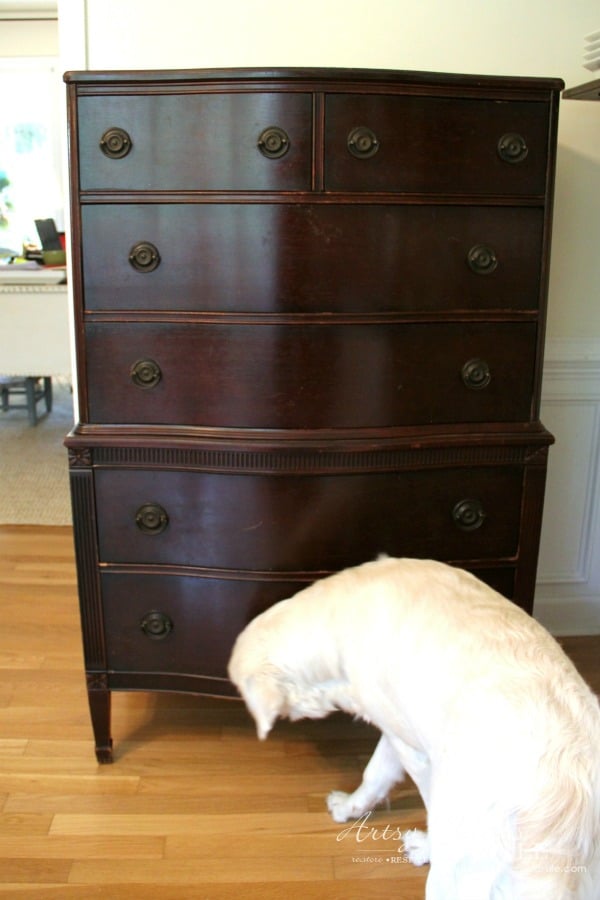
(567, 616)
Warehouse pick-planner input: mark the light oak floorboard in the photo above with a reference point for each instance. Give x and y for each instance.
(194, 805)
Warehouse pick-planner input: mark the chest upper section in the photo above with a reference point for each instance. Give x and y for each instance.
(373, 135)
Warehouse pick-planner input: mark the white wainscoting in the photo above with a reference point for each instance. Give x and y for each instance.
(568, 589)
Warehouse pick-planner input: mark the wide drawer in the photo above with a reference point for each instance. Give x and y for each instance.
(435, 144)
(188, 625)
(306, 523)
(309, 376)
(290, 258)
(195, 142)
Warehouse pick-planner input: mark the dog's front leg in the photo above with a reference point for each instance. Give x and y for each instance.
(382, 772)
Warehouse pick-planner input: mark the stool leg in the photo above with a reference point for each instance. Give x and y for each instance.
(48, 393)
(30, 394)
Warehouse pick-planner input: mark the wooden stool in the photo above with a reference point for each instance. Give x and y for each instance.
(33, 389)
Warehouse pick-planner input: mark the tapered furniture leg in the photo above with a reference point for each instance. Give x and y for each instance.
(100, 705)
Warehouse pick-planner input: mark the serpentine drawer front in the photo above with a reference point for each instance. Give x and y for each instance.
(308, 258)
(310, 310)
(239, 521)
(179, 628)
(310, 376)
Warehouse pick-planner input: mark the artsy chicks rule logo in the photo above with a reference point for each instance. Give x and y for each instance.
(374, 845)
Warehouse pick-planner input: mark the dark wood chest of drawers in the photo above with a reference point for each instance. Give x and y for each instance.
(310, 311)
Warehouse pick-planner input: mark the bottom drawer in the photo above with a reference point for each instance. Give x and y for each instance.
(180, 624)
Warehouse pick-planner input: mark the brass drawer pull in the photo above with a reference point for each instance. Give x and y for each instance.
(144, 257)
(151, 518)
(145, 373)
(468, 515)
(115, 143)
(482, 259)
(362, 142)
(273, 142)
(156, 625)
(476, 374)
(512, 148)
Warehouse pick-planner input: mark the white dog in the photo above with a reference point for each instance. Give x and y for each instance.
(474, 699)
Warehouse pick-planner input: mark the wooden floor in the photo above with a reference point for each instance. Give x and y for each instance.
(193, 806)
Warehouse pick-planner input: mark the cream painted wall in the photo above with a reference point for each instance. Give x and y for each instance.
(511, 37)
(27, 38)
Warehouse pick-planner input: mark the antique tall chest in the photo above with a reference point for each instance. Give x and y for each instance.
(309, 310)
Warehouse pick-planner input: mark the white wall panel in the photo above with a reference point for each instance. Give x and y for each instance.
(568, 595)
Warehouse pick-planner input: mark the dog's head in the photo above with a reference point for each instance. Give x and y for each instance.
(274, 689)
(265, 698)
(259, 682)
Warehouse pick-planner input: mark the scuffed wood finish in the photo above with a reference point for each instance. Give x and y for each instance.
(310, 312)
(195, 806)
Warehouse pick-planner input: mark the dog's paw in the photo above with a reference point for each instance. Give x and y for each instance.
(416, 846)
(341, 806)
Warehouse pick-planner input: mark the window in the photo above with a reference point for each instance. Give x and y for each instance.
(30, 158)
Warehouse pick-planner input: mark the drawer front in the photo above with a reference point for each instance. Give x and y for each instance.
(195, 142)
(306, 523)
(435, 144)
(280, 258)
(180, 624)
(185, 624)
(305, 376)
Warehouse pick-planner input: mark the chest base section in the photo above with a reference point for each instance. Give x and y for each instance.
(182, 537)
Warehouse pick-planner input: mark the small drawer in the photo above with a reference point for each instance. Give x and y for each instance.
(210, 142)
(265, 523)
(309, 376)
(180, 624)
(272, 258)
(441, 145)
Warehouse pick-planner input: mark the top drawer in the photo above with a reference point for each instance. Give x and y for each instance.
(196, 142)
(263, 141)
(435, 145)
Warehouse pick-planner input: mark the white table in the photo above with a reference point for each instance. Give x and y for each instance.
(34, 330)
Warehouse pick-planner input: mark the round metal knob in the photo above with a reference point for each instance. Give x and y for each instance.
(273, 142)
(156, 625)
(481, 259)
(468, 515)
(144, 257)
(151, 518)
(115, 143)
(362, 142)
(476, 374)
(512, 148)
(145, 373)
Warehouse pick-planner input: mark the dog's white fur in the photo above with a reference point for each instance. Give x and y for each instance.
(474, 699)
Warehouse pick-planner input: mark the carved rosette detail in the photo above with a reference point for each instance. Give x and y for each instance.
(80, 457)
(97, 681)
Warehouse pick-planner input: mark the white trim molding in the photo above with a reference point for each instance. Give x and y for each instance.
(28, 9)
(568, 589)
